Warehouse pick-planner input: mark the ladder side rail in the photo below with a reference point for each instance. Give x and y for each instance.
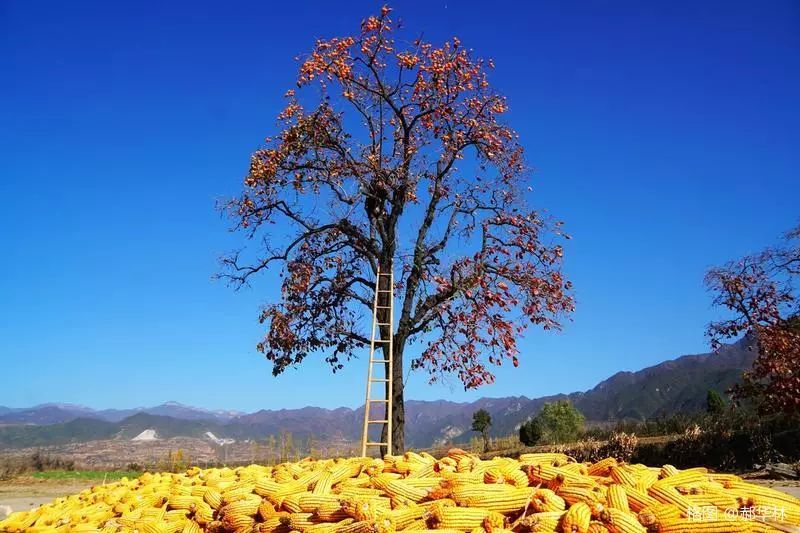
(364, 437)
(390, 403)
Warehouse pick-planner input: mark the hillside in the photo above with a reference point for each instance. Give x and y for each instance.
(76, 430)
(679, 385)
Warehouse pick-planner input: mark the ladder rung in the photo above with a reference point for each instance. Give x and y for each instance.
(379, 361)
(383, 324)
(377, 444)
(379, 380)
(385, 290)
(376, 400)
(377, 421)
(380, 340)
(383, 307)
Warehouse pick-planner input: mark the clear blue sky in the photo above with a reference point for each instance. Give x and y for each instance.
(665, 134)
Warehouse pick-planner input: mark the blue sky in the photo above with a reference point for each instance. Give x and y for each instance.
(665, 134)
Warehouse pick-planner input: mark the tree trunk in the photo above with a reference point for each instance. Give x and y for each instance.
(398, 408)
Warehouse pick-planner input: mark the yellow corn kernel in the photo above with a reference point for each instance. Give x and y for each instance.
(465, 518)
(602, 467)
(682, 525)
(618, 521)
(577, 518)
(545, 500)
(617, 498)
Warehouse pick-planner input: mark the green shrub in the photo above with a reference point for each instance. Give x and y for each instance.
(560, 421)
(530, 432)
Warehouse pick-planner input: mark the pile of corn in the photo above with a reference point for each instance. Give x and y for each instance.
(416, 492)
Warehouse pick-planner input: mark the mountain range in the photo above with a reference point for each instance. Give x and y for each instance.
(678, 385)
(54, 413)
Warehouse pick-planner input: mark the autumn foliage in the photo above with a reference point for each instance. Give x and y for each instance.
(760, 292)
(396, 154)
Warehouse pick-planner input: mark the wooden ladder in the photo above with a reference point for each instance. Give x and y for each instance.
(382, 306)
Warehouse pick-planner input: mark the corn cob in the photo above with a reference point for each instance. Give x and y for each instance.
(244, 506)
(617, 498)
(686, 477)
(427, 482)
(181, 502)
(416, 525)
(404, 516)
(299, 521)
(518, 478)
(542, 522)
(544, 473)
(175, 515)
(242, 486)
(291, 503)
(457, 453)
(360, 509)
(751, 489)
(427, 470)
(578, 492)
(539, 458)
(623, 476)
(274, 522)
(668, 470)
(150, 526)
(310, 502)
(682, 525)
(545, 500)
(577, 518)
(492, 475)
(345, 526)
(646, 480)
(330, 512)
(213, 498)
(723, 478)
(324, 483)
(322, 527)
(638, 500)
(576, 468)
(602, 467)
(713, 499)
(357, 492)
(788, 512)
(424, 530)
(618, 521)
(653, 515)
(202, 513)
(505, 501)
(465, 518)
(395, 487)
(597, 527)
(266, 487)
(668, 494)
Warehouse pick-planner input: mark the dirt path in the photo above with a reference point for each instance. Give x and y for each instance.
(789, 487)
(23, 494)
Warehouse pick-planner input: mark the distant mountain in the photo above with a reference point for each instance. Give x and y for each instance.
(53, 413)
(317, 421)
(679, 385)
(41, 414)
(164, 426)
(77, 430)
